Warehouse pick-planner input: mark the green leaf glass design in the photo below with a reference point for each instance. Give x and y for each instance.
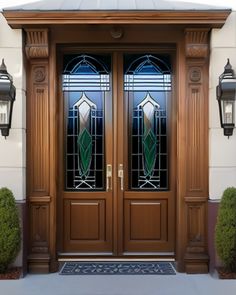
(84, 142)
(149, 152)
(149, 140)
(85, 151)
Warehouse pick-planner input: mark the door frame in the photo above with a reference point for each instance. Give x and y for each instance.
(119, 135)
(192, 55)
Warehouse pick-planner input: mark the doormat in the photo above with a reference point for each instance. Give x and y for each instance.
(117, 268)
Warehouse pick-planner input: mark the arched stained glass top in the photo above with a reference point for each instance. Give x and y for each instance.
(148, 64)
(147, 72)
(86, 72)
(86, 64)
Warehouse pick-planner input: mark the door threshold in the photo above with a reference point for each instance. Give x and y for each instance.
(77, 254)
(109, 256)
(115, 259)
(161, 254)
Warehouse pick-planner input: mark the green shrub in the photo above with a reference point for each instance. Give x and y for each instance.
(10, 234)
(225, 234)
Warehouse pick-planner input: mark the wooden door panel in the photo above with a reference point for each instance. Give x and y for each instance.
(144, 220)
(87, 225)
(146, 226)
(87, 220)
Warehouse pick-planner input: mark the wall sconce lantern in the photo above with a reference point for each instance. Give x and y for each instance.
(7, 98)
(226, 92)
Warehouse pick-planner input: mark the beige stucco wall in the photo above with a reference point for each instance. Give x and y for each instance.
(222, 151)
(13, 148)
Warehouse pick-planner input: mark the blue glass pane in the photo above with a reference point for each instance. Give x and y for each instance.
(85, 69)
(147, 69)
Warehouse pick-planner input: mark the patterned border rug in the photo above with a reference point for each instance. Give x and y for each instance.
(117, 268)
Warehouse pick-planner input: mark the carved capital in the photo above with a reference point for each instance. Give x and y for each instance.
(36, 43)
(196, 43)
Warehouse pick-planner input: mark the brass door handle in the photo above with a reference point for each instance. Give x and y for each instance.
(121, 176)
(109, 177)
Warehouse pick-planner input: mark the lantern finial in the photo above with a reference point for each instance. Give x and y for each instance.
(228, 68)
(3, 68)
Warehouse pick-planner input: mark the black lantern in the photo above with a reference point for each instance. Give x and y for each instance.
(7, 97)
(226, 92)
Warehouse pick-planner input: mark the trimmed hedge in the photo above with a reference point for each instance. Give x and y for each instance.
(225, 233)
(10, 233)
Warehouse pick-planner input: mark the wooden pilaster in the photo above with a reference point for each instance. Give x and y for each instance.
(196, 196)
(40, 199)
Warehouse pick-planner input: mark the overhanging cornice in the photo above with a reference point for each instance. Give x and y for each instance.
(210, 18)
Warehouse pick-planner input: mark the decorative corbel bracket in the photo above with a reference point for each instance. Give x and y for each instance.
(196, 42)
(36, 43)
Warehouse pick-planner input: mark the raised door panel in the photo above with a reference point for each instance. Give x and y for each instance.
(85, 225)
(39, 227)
(145, 220)
(146, 224)
(87, 220)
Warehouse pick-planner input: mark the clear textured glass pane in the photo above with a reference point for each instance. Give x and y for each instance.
(4, 112)
(228, 111)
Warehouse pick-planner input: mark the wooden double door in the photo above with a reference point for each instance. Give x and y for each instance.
(117, 153)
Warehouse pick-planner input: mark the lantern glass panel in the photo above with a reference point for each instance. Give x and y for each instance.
(228, 112)
(4, 112)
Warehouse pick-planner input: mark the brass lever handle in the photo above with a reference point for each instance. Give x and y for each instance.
(121, 176)
(109, 177)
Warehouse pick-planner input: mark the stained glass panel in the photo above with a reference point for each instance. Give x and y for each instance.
(84, 97)
(148, 84)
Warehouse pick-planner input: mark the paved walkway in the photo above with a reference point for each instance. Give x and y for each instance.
(118, 285)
